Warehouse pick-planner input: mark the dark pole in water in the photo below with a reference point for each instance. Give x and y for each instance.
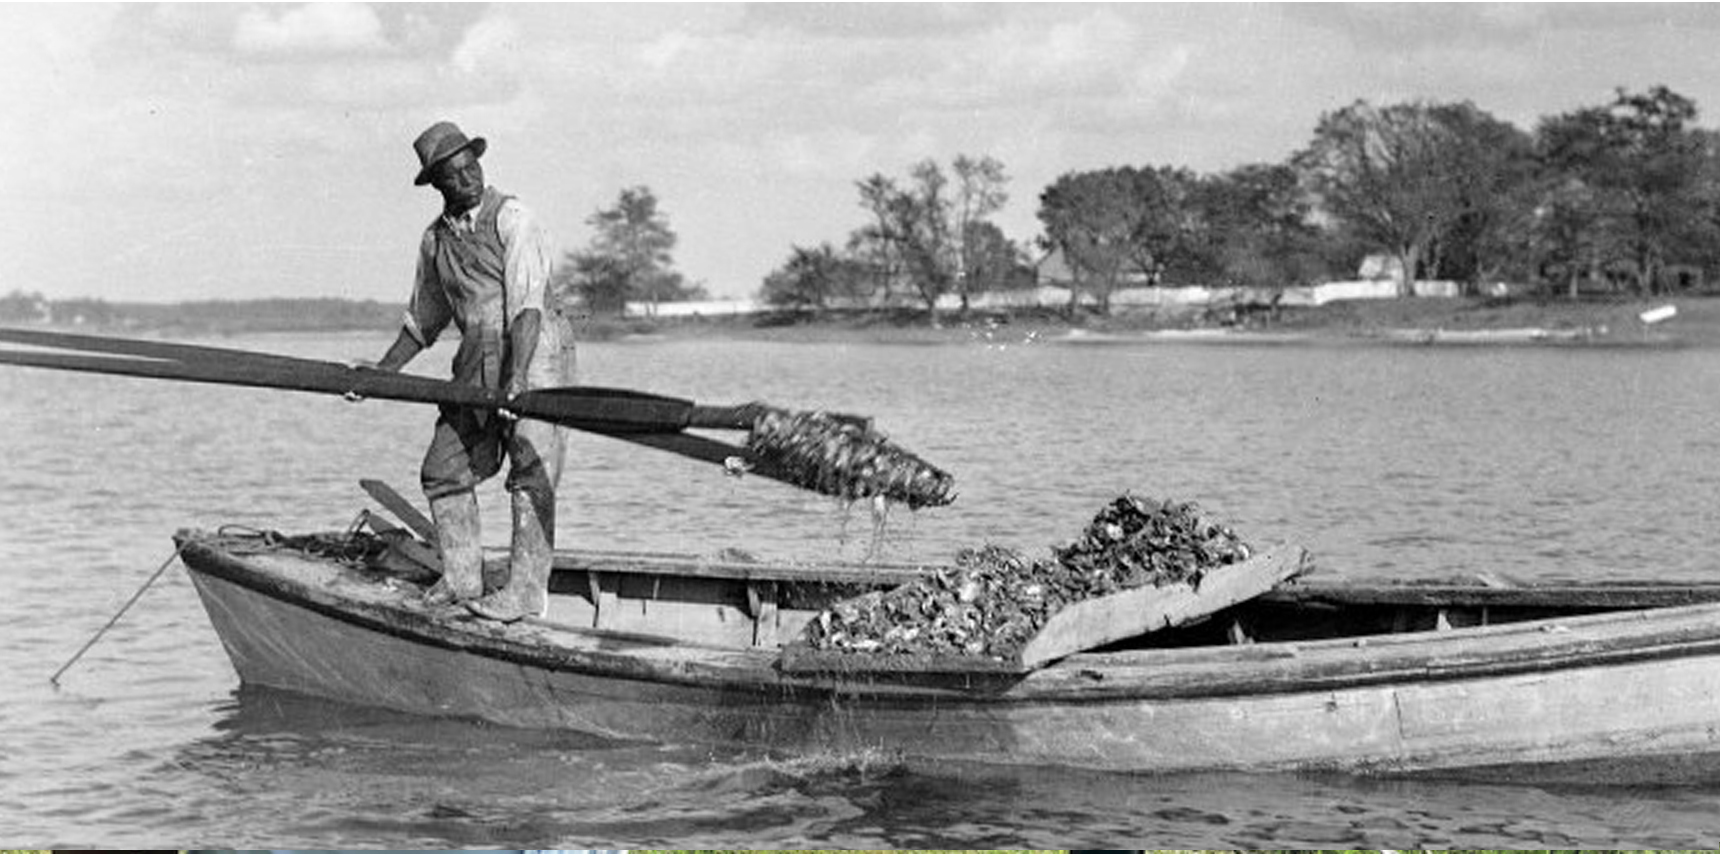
(115, 619)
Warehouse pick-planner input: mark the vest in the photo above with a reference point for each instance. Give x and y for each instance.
(471, 268)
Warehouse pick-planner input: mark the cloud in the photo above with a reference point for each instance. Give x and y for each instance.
(829, 152)
(1608, 16)
(489, 45)
(822, 65)
(392, 59)
(869, 21)
(1394, 27)
(318, 28)
(1086, 55)
(279, 33)
(660, 53)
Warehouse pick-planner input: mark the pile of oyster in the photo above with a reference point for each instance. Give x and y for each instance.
(842, 459)
(994, 599)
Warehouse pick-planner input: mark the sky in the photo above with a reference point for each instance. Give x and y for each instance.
(214, 151)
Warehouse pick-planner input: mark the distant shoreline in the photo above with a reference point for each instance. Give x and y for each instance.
(1614, 322)
(1411, 321)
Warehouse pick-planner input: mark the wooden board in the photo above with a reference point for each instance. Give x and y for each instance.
(1102, 620)
(1084, 625)
(1344, 592)
(422, 563)
(402, 509)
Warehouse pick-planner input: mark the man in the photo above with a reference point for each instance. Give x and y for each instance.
(483, 265)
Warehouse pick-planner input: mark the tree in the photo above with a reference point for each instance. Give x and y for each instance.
(1112, 222)
(814, 278)
(979, 194)
(631, 255)
(601, 282)
(1633, 184)
(1092, 218)
(993, 261)
(877, 244)
(1254, 227)
(1495, 193)
(923, 226)
(1403, 175)
(1163, 241)
(920, 229)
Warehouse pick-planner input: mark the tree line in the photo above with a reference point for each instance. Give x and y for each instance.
(201, 317)
(1625, 194)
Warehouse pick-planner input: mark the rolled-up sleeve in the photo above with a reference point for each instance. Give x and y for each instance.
(526, 260)
(428, 312)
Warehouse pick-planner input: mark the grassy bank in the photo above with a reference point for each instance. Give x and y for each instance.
(1592, 321)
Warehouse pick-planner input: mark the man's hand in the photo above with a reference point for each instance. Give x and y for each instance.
(514, 389)
(358, 365)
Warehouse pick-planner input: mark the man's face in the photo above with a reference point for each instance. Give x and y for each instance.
(460, 180)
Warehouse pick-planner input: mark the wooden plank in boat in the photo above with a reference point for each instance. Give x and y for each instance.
(1126, 614)
(1081, 626)
(692, 565)
(418, 562)
(401, 508)
(1544, 594)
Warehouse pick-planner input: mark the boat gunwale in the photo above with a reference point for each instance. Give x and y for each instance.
(1305, 589)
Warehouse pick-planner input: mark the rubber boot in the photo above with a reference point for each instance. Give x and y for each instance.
(526, 593)
(458, 535)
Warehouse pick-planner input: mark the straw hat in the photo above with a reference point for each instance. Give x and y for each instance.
(440, 142)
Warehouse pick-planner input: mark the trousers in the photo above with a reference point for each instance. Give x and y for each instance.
(468, 446)
(466, 450)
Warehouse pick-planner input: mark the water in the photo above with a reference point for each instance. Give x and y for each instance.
(1411, 462)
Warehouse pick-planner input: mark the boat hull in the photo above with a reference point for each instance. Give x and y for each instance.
(1093, 711)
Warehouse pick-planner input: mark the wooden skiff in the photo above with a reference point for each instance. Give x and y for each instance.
(1320, 674)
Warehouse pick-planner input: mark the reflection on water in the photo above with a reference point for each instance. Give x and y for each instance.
(282, 769)
(1410, 462)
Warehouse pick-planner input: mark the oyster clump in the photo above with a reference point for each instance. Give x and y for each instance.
(839, 458)
(993, 600)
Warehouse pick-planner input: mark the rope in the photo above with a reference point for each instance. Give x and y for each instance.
(115, 619)
(352, 546)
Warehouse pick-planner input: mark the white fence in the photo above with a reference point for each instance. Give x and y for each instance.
(1123, 299)
(1200, 295)
(695, 308)
(1367, 289)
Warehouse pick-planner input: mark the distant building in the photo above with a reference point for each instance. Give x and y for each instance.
(1379, 267)
(1053, 269)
